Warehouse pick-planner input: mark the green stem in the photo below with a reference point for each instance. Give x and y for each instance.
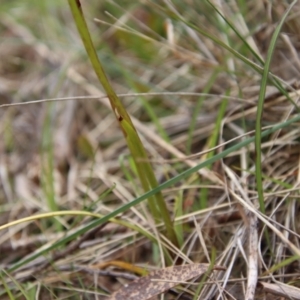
(156, 203)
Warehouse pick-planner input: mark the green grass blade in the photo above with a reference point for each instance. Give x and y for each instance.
(247, 61)
(156, 203)
(152, 192)
(6, 287)
(197, 109)
(212, 142)
(138, 86)
(47, 155)
(149, 181)
(207, 273)
(260, 107)
(17, 285)
(274, 80)
(178, 213)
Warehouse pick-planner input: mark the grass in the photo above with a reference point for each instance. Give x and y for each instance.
(200, 122)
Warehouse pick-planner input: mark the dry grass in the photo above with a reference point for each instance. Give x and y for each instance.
(71, 155)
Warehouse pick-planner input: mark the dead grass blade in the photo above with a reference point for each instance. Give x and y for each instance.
(282, 290)
(159, 281)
